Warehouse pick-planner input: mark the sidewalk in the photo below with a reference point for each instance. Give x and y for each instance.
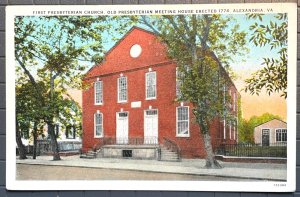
(257, 171)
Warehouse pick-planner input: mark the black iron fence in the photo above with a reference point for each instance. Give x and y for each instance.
(125, 141)
(252, 150)
(44, 146)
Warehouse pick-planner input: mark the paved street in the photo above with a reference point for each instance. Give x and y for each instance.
(41, 172)
(73, 167)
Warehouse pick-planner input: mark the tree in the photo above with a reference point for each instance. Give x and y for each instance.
(52, 49)
(28, 114)
(273, 76)
(201, 45)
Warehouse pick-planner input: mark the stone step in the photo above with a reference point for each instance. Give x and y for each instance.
(90, 157)
(87, 156)
(168, 155)
(165, 152)
(167, 159)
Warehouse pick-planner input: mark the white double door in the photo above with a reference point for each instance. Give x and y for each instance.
(122, 128)
(151, 126)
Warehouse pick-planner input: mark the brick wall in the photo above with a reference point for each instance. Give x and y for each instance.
(118, 62)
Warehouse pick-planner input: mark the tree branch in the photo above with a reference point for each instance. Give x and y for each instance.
(27, 72)
(183, 21)
(175, 26)
(144, 20)
(205, 33)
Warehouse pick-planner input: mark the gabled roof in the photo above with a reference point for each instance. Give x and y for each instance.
(222, 69)
(118, 42)
(270, 121)
(121, 39)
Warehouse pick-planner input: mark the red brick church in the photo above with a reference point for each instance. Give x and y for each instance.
(130, 108)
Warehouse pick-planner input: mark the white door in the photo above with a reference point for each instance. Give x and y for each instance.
(122, 128)
(150, 127)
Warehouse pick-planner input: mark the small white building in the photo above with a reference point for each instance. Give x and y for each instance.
(273, 132)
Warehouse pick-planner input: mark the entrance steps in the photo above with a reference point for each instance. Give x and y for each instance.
(168, 155)
(89, 155)
(161, 152)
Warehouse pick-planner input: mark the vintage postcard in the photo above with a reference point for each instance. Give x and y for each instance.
(151, 97)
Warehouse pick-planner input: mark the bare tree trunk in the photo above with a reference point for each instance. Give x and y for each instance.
(34, 140)
(54, 144)
(211, 162)
(21, 148)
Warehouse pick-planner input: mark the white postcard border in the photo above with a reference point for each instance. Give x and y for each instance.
(13, 184)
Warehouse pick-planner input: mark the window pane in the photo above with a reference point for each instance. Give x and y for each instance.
(151, 112)
(98, 119)
(151, 85)
(284, 135)
(182, 113)
(122, 84)
(98, 92)
(123, 114)
(183, 127)
(98, 130)
(98, 124)
(278, 135)
(182, 121)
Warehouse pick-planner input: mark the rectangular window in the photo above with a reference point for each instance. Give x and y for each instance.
(98, 125)
(98, 89)
(122, 89)
(182, 120)
(70, 132)
(281, 135)
(178, 83)
(234, 101)
(151, 85)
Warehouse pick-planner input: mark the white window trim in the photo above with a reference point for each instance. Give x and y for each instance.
(151, 98)
(182, 135)
(118, 91)
(281, 134)
(100, 103)
(98, 136)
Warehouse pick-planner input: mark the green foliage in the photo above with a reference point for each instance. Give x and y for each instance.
(273, 77)
(50, 51)
(28, 108)
(203, 47)
(246, 127)
(200, 44)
